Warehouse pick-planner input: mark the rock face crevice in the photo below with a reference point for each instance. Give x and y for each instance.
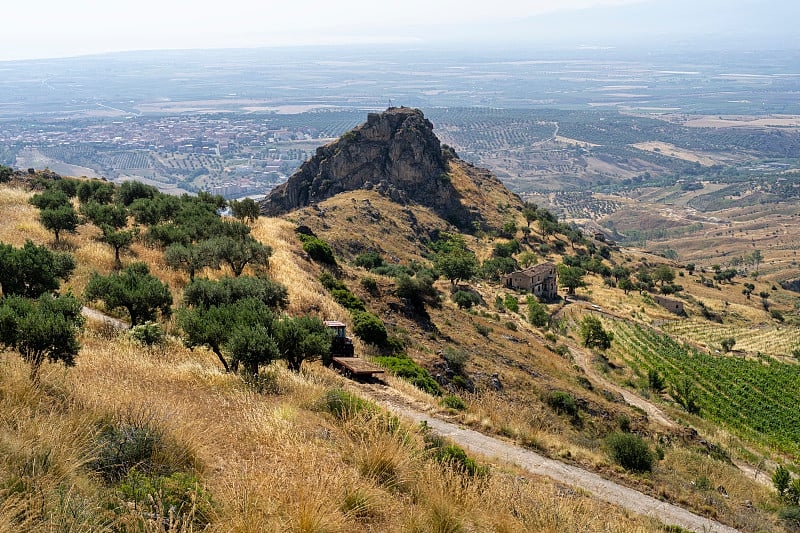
(395, 153)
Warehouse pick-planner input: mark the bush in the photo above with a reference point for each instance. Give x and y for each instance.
(136, 441)
(148, 334)
(454, 402)
(465, 299)
(370, 285)
(562, 403)
(456, 359)
(453, 456)
(511, 303)
(630, 451)
(777, 315)
(369, 328)
(317, 249)
(343, 404)
(330, 282)
(348, 300)
(404, 367)
(483, 330)
(369, 260)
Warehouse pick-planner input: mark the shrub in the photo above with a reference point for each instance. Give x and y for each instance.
(136, 441)
(317, 249)
(369, 260)
(369, 328)
(562, 403)
(404, 367)
(777, 315)
(343, 404)
(348, 300)
(453, 456)
(454, 402)
(630, 451)
(465, 299)
(456, 359)
(483, 330)
(511, 303)
(370, 285)
(148, 334)
(330, 282)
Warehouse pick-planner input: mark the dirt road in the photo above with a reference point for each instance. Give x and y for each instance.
(600, 488)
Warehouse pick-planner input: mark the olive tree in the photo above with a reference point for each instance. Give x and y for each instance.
(32, 270)
(45, 328)
(140, 293)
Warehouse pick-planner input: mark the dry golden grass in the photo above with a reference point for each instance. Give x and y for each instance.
(272, 460)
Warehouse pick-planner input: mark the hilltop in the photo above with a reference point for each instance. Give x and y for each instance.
(397, 155)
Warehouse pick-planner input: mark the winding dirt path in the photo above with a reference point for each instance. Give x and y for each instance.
(599, 487)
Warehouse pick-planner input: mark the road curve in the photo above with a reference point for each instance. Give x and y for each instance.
(599, 487)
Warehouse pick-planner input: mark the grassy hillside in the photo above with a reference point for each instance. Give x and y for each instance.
(279, 453)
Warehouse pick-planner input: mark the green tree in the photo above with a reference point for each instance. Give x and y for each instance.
(245, 210)
(251, 345)
(663, 274)
(100, 191)
(32, 270)
(227, 290)
(237, 253)
(63, 218)
(748, 289)
(118, 239)
(46, 328)
(655, 381)
(537, 313)
(190, 258)
(593, 335)
(727, 344)
(99, 214)
(417, 290)
(529, 212)
(302, 339)
(626, 285)
(130, 191)
(134, 289)
(49, 199)
(570, 277)
(456, 264)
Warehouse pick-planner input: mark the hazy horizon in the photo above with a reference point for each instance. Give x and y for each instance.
(85, 28)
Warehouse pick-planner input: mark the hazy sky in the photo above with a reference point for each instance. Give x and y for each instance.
(58, 28)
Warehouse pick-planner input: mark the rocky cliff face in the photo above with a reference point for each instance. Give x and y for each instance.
(394, 153)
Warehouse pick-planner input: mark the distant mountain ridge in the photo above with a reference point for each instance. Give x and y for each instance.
(396, 154)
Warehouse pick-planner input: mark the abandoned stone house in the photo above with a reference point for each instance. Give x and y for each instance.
(671, 305)
(538, 279)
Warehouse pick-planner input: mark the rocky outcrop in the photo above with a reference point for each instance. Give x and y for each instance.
(394, 153)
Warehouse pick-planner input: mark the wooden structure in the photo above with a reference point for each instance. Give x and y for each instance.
(538, 279)
(356, 367)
